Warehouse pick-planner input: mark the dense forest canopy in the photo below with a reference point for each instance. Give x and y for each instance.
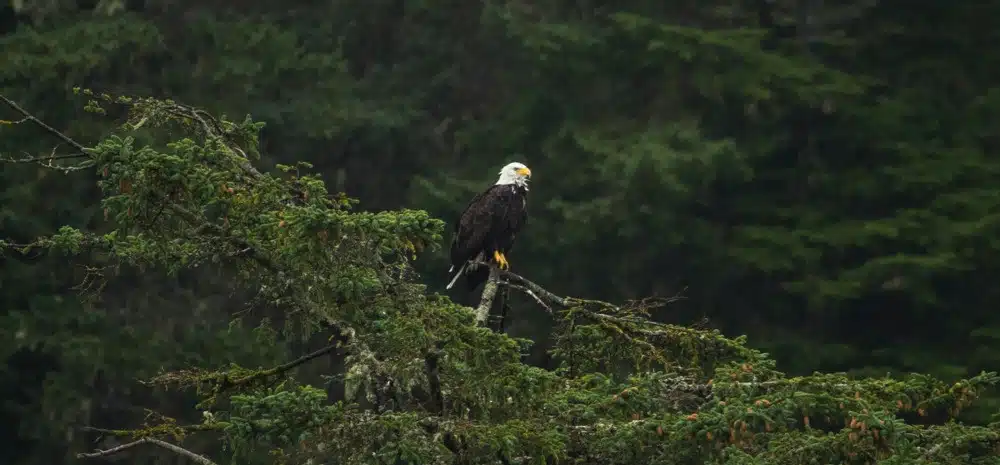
(259, 185)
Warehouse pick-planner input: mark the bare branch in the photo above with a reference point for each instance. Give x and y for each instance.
(48, 161)
(531, 294)
(537, 292)
(543, 296)
(84, 151)
(500, 277)
(200, 459)
(627, 319)
(46, 158)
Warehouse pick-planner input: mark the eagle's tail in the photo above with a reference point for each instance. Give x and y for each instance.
(468, 265)
(457, 274)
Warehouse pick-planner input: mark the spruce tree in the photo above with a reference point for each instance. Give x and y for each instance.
(426, 380)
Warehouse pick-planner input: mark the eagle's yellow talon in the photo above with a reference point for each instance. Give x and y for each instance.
(501, 260)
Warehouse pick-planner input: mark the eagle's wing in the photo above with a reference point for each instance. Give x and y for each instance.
(518, 218)
(472, 228)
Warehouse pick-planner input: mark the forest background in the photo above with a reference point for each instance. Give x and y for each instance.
(815, 176)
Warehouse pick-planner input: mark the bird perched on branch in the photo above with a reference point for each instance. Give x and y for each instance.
(489, 224)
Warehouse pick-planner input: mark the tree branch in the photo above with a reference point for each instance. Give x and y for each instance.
(48, 161)
(46, 158)
(432, 368)
(489, 294)
(225, 382)
(290, 365)
(245, 247)
(500, 277)
(213, 130)
(616, 317)
(166, 428)
(55, 132)
(541, 295)
(500, 320)
(210, 127)
(12, 123)
(200, 459)
(81, 151)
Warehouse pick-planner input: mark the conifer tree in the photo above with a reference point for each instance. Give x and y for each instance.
(426, 381)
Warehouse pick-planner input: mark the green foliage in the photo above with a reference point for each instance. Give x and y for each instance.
(813, 178)
(800, 165)
(424, 384)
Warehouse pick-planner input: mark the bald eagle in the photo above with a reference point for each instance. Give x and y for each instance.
(489, 224)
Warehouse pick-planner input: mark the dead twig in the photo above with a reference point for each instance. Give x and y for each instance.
(84, 151)
(538, 292)
(201, 459)
(46, 158)
(531, 294)
(46, 161)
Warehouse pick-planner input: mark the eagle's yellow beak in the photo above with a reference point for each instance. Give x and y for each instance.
(524, 172)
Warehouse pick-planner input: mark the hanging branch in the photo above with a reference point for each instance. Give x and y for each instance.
(200, 459)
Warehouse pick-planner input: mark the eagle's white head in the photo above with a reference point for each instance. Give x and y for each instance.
(514, 173)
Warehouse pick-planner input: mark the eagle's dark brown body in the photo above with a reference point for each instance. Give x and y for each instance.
(489, 223)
